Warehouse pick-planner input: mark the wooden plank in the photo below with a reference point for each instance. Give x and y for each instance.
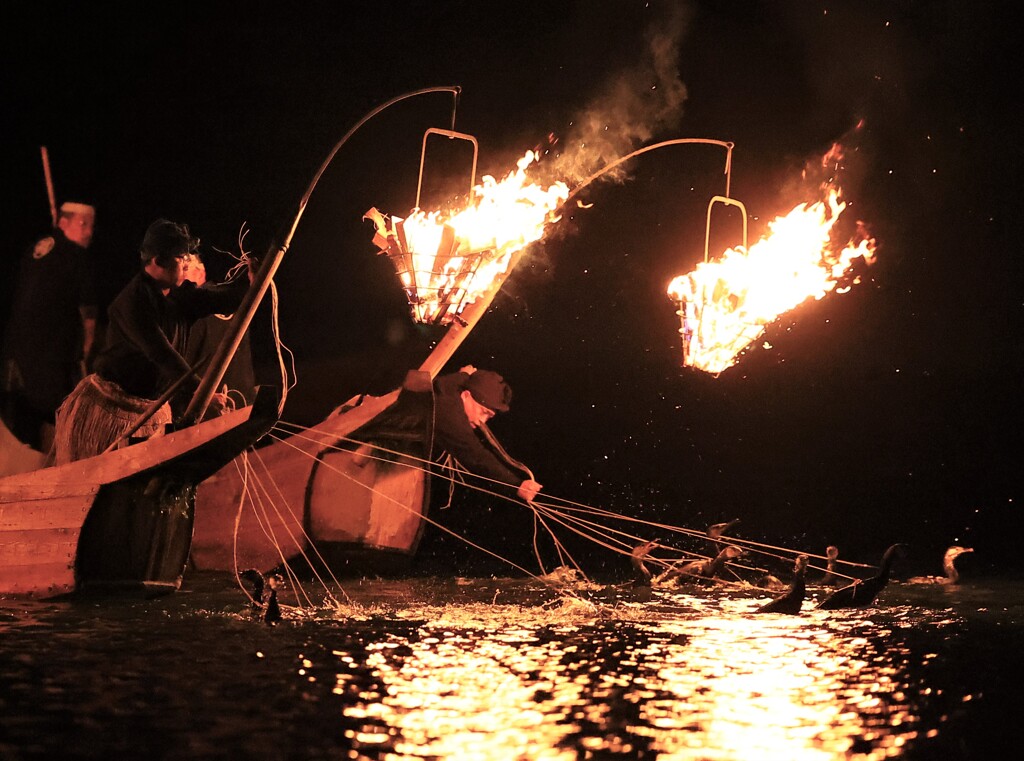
(45, 579)
(64, 513)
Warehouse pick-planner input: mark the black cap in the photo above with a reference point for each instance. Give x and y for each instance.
(490, 390)
(165, 239)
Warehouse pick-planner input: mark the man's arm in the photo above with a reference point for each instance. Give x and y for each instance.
(140, 325)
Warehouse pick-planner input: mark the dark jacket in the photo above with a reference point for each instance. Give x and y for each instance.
(453, 434)
(148, 332)
(55, 281)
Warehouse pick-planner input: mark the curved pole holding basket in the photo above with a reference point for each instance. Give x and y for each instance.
(261, 282)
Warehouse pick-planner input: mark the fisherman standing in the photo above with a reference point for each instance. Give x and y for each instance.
(52, 328)
(463, 404)
(149, 324)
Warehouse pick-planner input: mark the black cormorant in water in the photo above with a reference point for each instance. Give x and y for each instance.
(863, 592)
(715, 532)
(948, 566)
(793, 599)
(263, 597)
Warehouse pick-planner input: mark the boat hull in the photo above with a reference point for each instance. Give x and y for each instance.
(351, 492)
(122, 519)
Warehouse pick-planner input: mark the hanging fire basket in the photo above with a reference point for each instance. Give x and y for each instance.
(712, 336)
(436, 274)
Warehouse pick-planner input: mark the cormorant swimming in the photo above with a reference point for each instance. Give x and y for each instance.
(700, 570)
(793, 599)
(831, 556)
(263, 596)
(863, 592)
(948, 566)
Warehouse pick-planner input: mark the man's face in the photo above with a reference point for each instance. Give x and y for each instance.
(477, 413)
(169, 276)
(78, 228)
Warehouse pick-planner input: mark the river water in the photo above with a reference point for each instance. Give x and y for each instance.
(492, 668)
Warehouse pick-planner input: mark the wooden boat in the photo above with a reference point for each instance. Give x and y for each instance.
(351, 492)
(121, 519)
(124, 518)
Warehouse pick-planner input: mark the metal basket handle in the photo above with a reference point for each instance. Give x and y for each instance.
(451, 135)
(727, 202)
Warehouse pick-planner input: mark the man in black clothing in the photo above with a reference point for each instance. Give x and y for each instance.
(147, 336)
(52, 326)
(463, 403)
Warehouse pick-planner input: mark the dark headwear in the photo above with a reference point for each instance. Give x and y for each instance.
(490, 390)
(165, 240)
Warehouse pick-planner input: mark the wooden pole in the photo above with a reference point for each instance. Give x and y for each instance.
(49, 184)
(261, 281)
(464, 323)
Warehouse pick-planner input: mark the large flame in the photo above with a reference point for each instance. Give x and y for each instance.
(725, 304)
(446, 260)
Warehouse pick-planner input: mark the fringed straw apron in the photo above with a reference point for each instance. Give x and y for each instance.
(97, 414)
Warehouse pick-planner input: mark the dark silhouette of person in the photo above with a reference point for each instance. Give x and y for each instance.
(52, 326)
(463, 404)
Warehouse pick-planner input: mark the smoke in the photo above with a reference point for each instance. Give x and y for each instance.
(632, 107)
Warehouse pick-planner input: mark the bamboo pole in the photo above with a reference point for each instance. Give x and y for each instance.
(268, 267)
(49, 184)
(465, 322)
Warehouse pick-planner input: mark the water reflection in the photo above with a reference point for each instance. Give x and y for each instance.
(442, 671)
(703, 679)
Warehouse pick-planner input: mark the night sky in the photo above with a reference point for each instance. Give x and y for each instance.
(889, 413)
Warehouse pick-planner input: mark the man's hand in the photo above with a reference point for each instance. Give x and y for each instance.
(528, 490)
(220, 404)
(468, 369)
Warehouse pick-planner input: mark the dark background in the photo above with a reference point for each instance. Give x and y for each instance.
(887, 413)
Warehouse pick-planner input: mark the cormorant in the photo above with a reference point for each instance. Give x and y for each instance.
(641, 573)
(831, 556)
(863, 592)
(793, 599)
(948, 565)
(715, 531)
(263, 596)
(702, 570)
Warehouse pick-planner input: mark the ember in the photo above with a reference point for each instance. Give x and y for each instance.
(446, 260)
(726, 304)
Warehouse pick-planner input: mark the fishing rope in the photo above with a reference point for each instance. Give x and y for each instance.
(759, 547)
(465, 540)
(593, 531)
(564, 555)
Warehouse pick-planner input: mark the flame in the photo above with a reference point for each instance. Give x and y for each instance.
(726, 304)
(446, 260)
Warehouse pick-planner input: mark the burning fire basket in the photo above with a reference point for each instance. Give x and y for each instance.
(435, 273)
(701, 307)
(447, 261)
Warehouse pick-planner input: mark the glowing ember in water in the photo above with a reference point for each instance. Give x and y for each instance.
(446, 260)
(725, 304)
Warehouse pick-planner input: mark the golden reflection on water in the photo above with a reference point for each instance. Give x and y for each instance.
(699, 681)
